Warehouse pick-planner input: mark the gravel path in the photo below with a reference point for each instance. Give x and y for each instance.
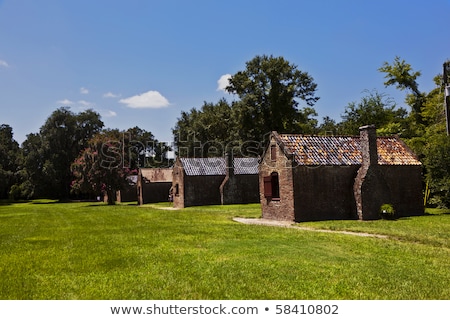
(290, 224)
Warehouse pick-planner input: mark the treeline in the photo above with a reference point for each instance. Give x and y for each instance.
(74, 156)
(49, 163)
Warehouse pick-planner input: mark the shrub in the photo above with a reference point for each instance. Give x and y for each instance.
(387, 211)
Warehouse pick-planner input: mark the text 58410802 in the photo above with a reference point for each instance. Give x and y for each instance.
(307, 309)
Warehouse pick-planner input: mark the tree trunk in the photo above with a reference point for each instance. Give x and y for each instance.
(111, 196)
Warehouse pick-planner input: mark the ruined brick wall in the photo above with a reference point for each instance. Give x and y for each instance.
(281, 208)
(243, 188)
(324, 192)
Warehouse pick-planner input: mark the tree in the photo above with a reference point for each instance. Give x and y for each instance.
(206, 132)
(9, 160)
(270, 89)
(101, 167)
(401, 74)
(425, 127)
(328, 126)
(143, 149)
(48, 155)
(374, 108)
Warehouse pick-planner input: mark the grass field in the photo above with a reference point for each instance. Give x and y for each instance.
(92, 251)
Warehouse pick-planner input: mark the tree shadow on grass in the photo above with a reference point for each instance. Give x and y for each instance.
(6, 202)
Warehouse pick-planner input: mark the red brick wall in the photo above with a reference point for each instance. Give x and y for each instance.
(282, 208)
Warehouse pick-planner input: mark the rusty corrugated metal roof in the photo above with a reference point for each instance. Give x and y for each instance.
(344, 150)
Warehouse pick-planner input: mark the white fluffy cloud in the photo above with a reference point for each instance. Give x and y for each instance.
(81, 104)
(223, 82)
(111, 95)
(83, 90)
(149, 99)
(65, 102)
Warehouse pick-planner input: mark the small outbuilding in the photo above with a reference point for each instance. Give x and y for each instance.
(307, 178)
(218, 180)
(153, 185)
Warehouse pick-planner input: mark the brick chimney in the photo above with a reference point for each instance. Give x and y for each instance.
(370, 188)
(368, 142)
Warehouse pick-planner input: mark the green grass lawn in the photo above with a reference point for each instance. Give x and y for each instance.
(93, 251)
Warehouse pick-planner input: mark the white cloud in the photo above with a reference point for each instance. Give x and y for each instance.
(223, 82)
(83, 90)
(4, 64)
(85, 103)
(149, 99)
(65, 102)
(111, 95)
(108, 113)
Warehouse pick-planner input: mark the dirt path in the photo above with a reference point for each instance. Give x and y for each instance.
(290, 224)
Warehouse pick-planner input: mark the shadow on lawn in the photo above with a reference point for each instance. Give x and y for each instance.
(6, 202)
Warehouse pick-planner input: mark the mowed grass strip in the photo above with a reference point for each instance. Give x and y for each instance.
(93, 251)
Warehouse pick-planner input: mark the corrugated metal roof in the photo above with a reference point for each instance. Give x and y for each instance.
(217, 166)
(344, 150)
(204, 166)
(245, 165)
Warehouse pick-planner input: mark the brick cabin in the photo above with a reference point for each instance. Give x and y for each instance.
(219, 180)
(307, 178)
(153, 185)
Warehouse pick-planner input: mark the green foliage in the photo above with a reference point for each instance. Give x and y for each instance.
(401, 74)
(387, 211)
(269, 88)
(9, 160)
(209, 131)
(110, 157)
(437, 163)
(425, 128)
(49, 153)
(374, 108)
(143, 150)
(100, 168)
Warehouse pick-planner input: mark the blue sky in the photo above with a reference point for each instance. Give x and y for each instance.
(140, 63)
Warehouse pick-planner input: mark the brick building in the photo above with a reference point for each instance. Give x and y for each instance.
(220, 180)
(153, 185)
(306, 178)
